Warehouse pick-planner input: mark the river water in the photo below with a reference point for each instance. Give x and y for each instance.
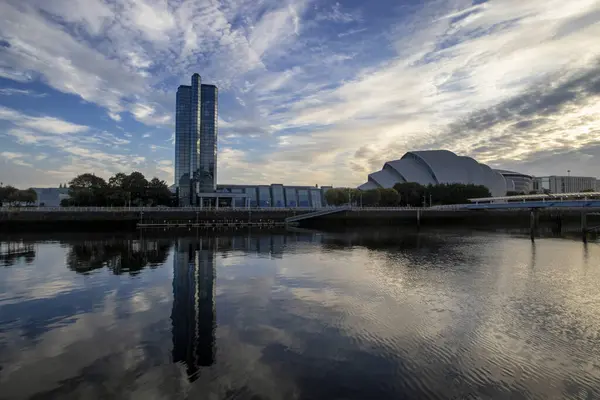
(300, 315)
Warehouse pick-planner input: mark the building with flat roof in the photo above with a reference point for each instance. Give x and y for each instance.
(275, 195)
(51, 197)
(196, 131)
(564, 184)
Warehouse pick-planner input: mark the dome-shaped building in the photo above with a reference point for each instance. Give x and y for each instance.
(436, 167)
(516, 181)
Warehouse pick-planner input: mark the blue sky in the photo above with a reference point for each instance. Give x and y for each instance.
(311, 91)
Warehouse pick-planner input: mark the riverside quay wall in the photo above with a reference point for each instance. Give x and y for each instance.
(129, 218)
(62, 219)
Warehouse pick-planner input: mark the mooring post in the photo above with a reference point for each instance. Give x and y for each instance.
(532, 223)
(584, 227)
(418, 218)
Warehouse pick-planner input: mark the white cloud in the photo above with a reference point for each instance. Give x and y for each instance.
(93, 15)
(336, 14)
(114, 116)
(149, 115)
(16, 158)
(41, 124)
(313, 95)
(20, 92)
(11, 155)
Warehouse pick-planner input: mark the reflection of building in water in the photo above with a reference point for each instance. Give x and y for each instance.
(193, 314)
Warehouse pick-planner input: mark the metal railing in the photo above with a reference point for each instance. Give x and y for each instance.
(214, 209)
(151, 209)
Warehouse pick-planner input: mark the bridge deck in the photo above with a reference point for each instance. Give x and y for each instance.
(535, 204)
(315, 214)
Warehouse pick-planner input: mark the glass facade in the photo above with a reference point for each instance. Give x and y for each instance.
(303, 199)
(183, 143)
(315, 199)
(264, 196)
(207, 144)
(252, 198)
(196, 131)
(278, 198)
(290, 197)
(238, 201)
(195, 123)
(275, 195)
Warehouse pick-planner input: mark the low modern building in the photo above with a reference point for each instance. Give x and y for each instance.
(564, 184)
(516, 181)
(436, 167)
(274, 195)
(51, 197)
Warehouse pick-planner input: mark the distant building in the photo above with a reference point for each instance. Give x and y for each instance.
(516, 181)
(275, 195)
(196, 131)
(564, 184)
(51, 197)
(436, 167)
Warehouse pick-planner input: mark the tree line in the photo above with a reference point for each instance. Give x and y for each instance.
(87, 190)
(407, 194)
(12, 196)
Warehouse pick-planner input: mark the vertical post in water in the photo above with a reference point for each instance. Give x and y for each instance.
(532, 220)
(418, 218)
(584, 227)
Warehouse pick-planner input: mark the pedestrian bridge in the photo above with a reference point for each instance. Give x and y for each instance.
(319, 213)
(534, 204)
(558, 200)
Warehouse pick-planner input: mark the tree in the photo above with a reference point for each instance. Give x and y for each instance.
(158, 192)
(411, 193)
(455, 193)
(337, 196)
(116, 196)
(371, 198)
(88, 190)
(389, 198)
(6, 192)
(28, 196)
(134, 185)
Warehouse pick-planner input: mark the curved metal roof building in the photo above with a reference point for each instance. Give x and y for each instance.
(436, 167)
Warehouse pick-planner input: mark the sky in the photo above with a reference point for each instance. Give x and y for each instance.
(310, 91)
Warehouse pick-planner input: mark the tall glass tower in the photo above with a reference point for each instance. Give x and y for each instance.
(196, 130)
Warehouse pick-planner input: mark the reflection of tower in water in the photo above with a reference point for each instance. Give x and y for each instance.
(193, 315)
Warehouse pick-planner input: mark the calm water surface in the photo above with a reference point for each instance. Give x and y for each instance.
(300, 315)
